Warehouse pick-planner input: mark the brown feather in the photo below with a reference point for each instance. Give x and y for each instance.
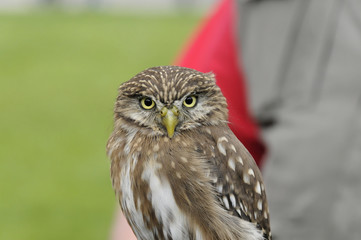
(220, 196)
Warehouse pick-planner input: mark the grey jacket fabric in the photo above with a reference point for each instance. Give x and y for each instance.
(302, 60)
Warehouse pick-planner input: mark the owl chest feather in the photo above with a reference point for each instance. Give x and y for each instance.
(148, 202)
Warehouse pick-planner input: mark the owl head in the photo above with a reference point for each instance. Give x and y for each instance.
(167, 100)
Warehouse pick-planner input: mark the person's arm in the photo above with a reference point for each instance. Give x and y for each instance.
(121, 229)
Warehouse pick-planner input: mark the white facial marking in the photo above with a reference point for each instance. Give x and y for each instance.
(257, 188)
(233, 148)
(231, 164)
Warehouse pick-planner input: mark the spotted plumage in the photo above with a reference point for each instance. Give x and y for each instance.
(178, 170)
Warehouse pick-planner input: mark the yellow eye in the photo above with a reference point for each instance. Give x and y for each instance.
(190, 101)
(147, 103)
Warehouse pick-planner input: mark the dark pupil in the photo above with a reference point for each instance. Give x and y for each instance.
(189, 100)
(148, 102)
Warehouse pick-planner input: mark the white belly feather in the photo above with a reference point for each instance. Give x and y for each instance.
(167, 212)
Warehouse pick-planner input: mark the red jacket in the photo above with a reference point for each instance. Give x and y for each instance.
(214, 49)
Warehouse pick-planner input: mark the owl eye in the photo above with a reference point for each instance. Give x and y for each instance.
(190, 101)
(147, 103)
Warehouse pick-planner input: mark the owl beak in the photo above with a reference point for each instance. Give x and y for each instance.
(170, 119)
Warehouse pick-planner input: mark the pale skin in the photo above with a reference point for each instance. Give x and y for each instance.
(121, 229)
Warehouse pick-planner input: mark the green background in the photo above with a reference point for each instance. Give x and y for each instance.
(59, 74)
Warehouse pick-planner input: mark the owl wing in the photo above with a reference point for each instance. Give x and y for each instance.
(238, 181)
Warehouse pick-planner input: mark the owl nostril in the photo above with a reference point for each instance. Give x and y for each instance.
(175, 110)
(164, 111)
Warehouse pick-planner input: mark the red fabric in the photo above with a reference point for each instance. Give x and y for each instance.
(214, 49)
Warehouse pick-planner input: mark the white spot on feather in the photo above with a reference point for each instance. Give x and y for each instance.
(257, 188)
(246, 178)
(259, 204)
(233, 200)
(220, 188)
(220, 145)
(251, 172)
(225, 202)
(241, 205)
(221, 139)
(231, 164)
(240, 160)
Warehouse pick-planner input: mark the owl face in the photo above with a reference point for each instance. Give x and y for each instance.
(168, 100)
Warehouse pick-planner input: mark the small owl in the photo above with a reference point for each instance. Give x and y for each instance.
(178, 170)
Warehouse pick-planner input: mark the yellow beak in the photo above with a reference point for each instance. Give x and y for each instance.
(170, 119)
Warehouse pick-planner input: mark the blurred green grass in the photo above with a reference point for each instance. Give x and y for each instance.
(59, 74)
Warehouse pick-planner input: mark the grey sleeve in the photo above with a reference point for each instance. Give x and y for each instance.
(302, 60)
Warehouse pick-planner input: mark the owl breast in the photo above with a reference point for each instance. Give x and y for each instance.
(133, 215)
(171, 222)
